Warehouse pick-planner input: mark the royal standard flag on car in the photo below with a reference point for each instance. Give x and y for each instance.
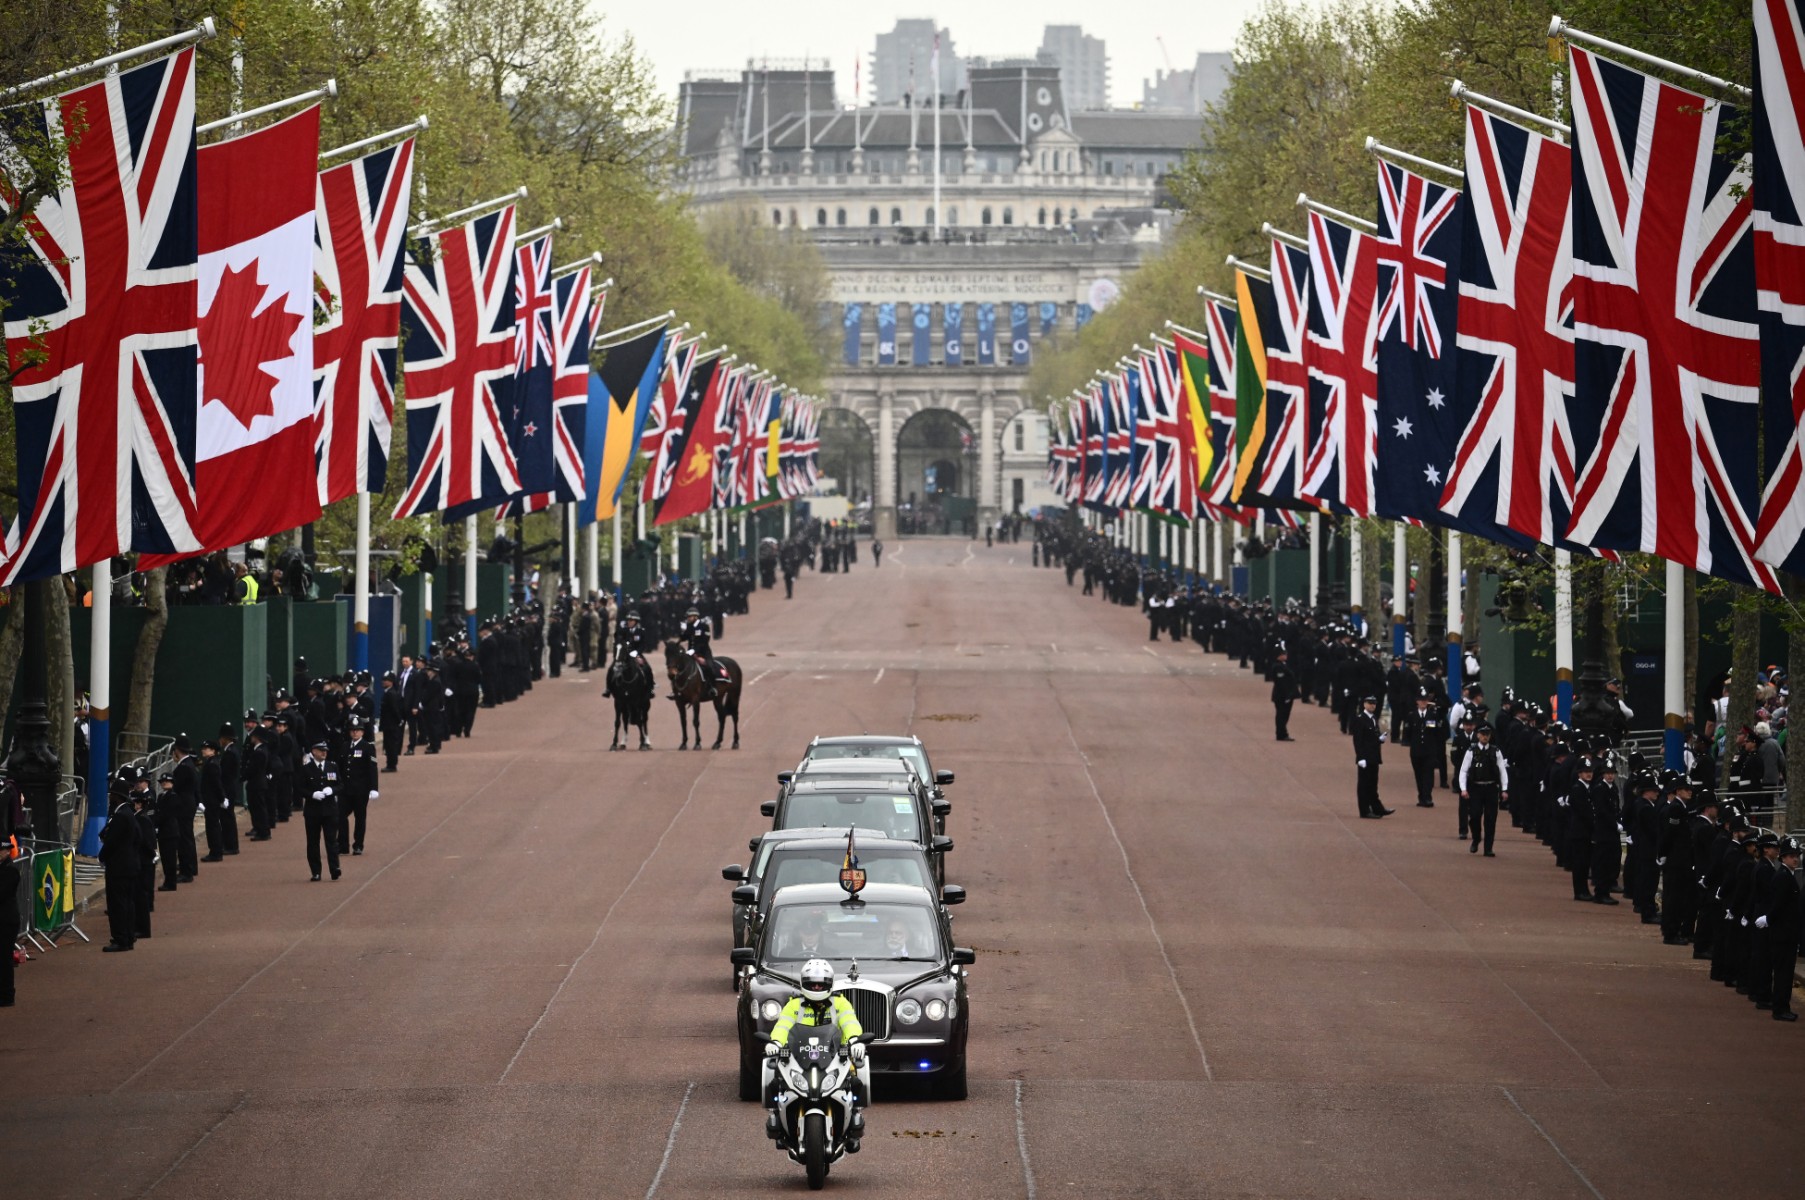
(852, 876)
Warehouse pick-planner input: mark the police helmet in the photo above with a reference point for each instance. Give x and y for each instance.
(816, 980)
(1768, 838)
(356, 722)
(1789, 847)
(1587, 763)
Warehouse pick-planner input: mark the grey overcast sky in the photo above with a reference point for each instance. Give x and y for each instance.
(681, 35)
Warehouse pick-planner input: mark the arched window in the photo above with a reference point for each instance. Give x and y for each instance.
(839, 216)
(793, 221)
(1008, 216)
(1071, 161)
(777, 216)
(896, 216)
(1021, 427)
(952, 216)
(820, 216)
(930, 219)
(1043, 215)
(984, 217)
(874, 217)
(1059, 216)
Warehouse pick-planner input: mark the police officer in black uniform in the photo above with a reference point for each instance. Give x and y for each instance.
(1284, 694)
(319, 805)
(1484, 780)
(1368, 745)
(357, 787)
(120, 856)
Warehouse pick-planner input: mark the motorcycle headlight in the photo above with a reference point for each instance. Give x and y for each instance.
(908, 1012)
(770, 1010)
(936, 1010)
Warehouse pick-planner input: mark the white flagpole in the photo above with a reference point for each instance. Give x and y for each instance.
(616, 581)
(1673, 667)
(592, 559)
(1456, 655)
(100, 702)
(470, 577)
(1315, 558)
(570, 539)
(1356, 575)
(360, 589)
(1400, 585)
(1563, 635)
(934, 74)
(200, 33)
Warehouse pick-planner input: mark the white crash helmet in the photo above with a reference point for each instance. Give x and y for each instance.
(817, 980)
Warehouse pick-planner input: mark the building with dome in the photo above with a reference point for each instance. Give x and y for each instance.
(959, 237)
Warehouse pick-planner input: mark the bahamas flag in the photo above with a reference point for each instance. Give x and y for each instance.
(620, 399)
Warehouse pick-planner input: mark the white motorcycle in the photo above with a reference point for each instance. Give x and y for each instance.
(816, 1119)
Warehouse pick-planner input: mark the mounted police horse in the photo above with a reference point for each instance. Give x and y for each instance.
(688, 688)
(630, 683)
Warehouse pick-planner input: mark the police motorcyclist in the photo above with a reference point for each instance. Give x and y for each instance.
(631, 641)
(819, 1004)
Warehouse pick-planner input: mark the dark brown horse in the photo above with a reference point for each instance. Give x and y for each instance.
(688, 688)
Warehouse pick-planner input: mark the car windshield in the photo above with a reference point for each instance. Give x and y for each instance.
(879, 812)
(915, 756)
(841, 932)
(823, 866)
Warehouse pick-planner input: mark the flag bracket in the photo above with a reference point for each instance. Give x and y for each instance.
(1401, 158)
(1218, 297)
(1323, 210)
(1248, 268)
(1559, 30)
(427, 226)
(202, 31)
(603, 340)
(1190, 333)
(555, 224)
(1279, 235)
(592, 260)
(1466, 95)
(326, 91)
(417, 125)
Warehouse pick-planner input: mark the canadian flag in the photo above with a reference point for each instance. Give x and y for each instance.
(254, 464)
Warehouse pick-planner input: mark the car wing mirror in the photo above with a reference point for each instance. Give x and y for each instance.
(942, 807)
(752, 844)
(734, 874)
(952, 893)
(964, 956)
(784, 777)
(940, 845)
(768, 809)
(745, 893)
(943, 777)
(746, 956)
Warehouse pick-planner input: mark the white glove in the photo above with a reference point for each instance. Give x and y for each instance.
(1384, 737)
(325, 792)
(858, 1054)
(1743, 921)
(770, 1049)
(1628, 841)
(374, 795)
(319, 795)
(1760, 922)
(1660, 862)
(1361, 764)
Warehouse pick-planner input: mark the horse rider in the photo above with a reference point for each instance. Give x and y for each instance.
(696, 632)
(631, 641)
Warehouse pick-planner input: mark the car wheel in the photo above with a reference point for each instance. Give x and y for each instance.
(952, 1082)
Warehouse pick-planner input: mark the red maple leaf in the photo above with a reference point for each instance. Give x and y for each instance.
(236, 340)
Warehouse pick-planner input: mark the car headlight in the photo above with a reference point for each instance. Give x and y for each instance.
(936, 1010)
(908, 1012)
(770, 1010)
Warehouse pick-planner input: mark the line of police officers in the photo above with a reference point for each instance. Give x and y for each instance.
(317, 757)
(1700, 870)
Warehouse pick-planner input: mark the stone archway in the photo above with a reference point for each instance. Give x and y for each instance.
(848, 453)
(936, 472)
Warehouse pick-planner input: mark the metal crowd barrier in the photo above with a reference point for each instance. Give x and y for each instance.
(62, 908)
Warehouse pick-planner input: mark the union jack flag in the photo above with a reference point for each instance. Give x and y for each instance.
(460, 357)
(1220, 325)
(729, 434)
(1513, 465)
(677, 397)
(1119, 441)
(360, 233)
(1144, 466)
(1175, 488)
(1779, 198)
(574, 320)
(101, 328)
(808, 447)
(530, 425)
(1096, 448)
(1666, 358)
(1341, 359)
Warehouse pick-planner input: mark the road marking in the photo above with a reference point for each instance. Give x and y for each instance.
(1021, 1143)
(880, 677)
(1128, 870)
(243, 1098)
(318, 925)
(1552, 1144)
(670, 1143)
(761, 675)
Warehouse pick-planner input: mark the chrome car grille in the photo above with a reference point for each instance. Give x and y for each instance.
(872, 1009)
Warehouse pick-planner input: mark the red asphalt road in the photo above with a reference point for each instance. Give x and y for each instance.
(1198, 973)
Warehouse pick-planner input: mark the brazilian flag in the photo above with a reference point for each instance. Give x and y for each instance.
(53, 894)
